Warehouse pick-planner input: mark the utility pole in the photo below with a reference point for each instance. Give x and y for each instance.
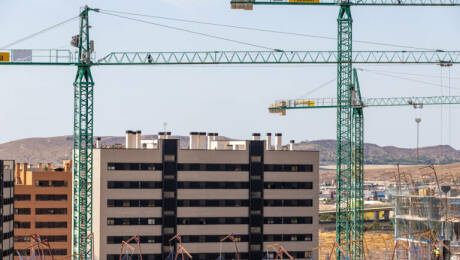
(418, 120)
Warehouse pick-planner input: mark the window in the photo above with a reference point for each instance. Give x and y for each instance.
(134, 185)
(288, 185)
(50, 197)
(288, 220)
(22, 211)
(255, 247)
(212, 185)
(288, 203)
(169, 194)
(133, 221)
(169, 158)
(168, 230)
(134, 203)
(22, 197)
(288, 168)
(19, 224)
(51, 224)
(41, 183)
(212, 167)
(59, 183)
(256, 158)
(134, 166)
(21, 238)
(61, 238)
(51, 211)
(212, 220)
(255, 229)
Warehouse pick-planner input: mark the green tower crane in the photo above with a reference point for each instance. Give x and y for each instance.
(84, 97)
(353, 216)
(348, 229)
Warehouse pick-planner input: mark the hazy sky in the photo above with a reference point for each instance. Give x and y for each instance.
(232, 100)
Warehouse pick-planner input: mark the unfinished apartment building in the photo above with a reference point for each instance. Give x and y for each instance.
(426, 217)
(153, 189)
(6, 200)
(43, 206)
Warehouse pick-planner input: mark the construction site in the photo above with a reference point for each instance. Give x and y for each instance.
(155, 198)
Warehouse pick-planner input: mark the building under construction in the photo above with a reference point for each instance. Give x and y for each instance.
(426, 218)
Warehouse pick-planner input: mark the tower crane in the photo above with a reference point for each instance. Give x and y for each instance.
(343, 57)
(354, 213)
(348, 175)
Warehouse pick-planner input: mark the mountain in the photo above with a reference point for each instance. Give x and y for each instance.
(56, 149)
(374, 154)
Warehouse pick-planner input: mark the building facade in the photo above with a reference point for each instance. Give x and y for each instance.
(261, 195)
(6, 200)
(43, 206)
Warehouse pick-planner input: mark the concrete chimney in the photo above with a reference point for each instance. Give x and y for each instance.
(128, 139)
(268, 143)
(98, 143)
(291, 145)
(278, 141)
(210, 139)
(17, 173)
(256, 136)
(67, 165)
(24, 169)
(193, 141)
(138, 139)
(202, 142)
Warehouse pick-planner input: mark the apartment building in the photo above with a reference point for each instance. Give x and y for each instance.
(6, 200)
(43, 206)
(262, 193)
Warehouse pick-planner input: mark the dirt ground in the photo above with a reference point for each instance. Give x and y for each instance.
(377, 244)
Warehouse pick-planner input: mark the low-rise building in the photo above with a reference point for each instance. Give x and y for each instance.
(6, 200)
(43, 206)
(263, 194)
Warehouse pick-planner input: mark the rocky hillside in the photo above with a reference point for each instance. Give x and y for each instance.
(56, 149)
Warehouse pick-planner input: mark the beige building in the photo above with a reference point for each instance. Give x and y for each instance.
(259, 192)
(43, 206)
(6, 200)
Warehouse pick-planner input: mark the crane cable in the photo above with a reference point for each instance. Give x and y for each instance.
(39, 32)
(317, 88)
(190, 31)
(264, 30)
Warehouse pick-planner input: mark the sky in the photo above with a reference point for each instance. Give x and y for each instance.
(231, 100)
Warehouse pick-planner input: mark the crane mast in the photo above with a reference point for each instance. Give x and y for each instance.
(349, 115)
(83, 143)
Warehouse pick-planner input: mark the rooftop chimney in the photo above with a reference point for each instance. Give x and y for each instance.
(98, 143)
(269, 142)
(202, 144)
(256, 136)
(193, 141)
(67, 165)
(129, 139)
(138, 139)
(278, 141)
(291, 145)
(210, 138)
(17, 173)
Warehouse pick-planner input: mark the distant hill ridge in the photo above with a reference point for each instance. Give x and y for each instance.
(56, 149)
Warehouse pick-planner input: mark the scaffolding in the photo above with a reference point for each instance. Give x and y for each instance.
(426, 217)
